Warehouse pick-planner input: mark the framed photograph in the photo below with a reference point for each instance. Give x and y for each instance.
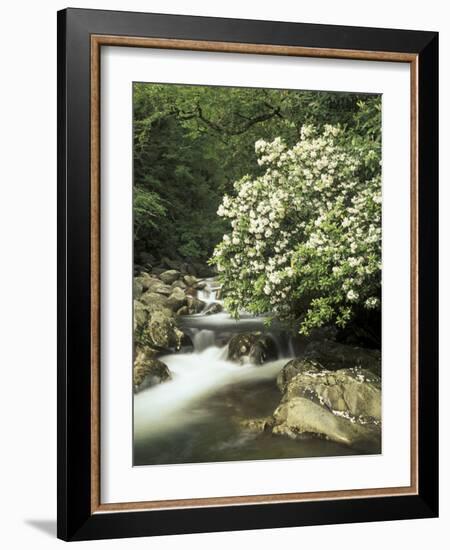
(247, 274)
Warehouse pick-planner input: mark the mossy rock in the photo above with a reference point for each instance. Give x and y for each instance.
(294, 367)
(140, 316)
(301, 416)
(149, 371)
(213, 308)
(154, 301)
(177, 299)
(190, 280)
(162, 332)
(195, 305)
(333, 356)
(170, 276)
(251, 347)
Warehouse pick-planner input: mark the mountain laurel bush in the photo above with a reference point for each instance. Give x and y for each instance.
(304, 244)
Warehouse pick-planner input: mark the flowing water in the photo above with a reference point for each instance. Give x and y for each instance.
(198, 415)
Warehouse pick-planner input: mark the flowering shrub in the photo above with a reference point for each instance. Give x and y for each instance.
(305, 239)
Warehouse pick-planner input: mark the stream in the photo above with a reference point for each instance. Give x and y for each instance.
(198, 415)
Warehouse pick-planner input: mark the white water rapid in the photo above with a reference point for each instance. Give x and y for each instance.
(201, 372)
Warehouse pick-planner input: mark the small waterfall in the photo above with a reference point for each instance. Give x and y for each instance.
(203, 413)
(209, 293)
(205, 370)
(196, 376)
(202, 339)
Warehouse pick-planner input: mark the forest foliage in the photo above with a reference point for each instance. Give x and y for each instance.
(194, 157)
(305, 236)
(191, 143)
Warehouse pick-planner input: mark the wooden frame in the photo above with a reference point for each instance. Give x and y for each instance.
(81, 34)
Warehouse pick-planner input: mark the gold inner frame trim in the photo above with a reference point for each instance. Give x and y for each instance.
(97, 41)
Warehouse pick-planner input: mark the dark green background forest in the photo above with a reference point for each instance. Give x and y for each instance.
(191, 143)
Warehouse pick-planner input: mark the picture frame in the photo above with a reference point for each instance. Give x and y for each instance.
(81, 36)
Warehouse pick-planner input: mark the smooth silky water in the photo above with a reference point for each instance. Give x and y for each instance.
(198, 415)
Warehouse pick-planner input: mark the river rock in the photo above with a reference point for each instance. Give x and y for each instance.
(161, 288)
(342, 405)
(195, 305)
(177, 299)
(334, 356)
(190, 280)
(294, 367)
(183, 311)
(154, 301)
(179, 284)
(162, 332)
(202, 270)
(186, 343)
(148, 282)
(213, 308)
(200, 285)
(300, 417)
(263, 350)
(140, 315)
(170, 276)
(240, 345)
(170, 263)
(257, 425)
(354, 392)
(138, 288)
(190, 269)
(142, 281)
(149, 371)
(251, 347)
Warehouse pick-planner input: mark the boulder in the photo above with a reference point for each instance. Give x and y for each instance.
(169, 263)
(213, 309)
(202, 270)
(162, 332)
(300, 417)
(183, 311)
(149, 282)
(140, 315)
(251, 347)
(190, 280)
(353, 392)
(342, 405)
(138, 287)
(177, 299)
(170, 276)
(191, 269)
(263, 350)
(194, 304)
(178, 284)
(145, 280)
(334, 356)
(294, 367)
(154, 301)
(200, 285)
(149, 371)
(186, 343)
(257, 425)
(160, 288)
(240, 345)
